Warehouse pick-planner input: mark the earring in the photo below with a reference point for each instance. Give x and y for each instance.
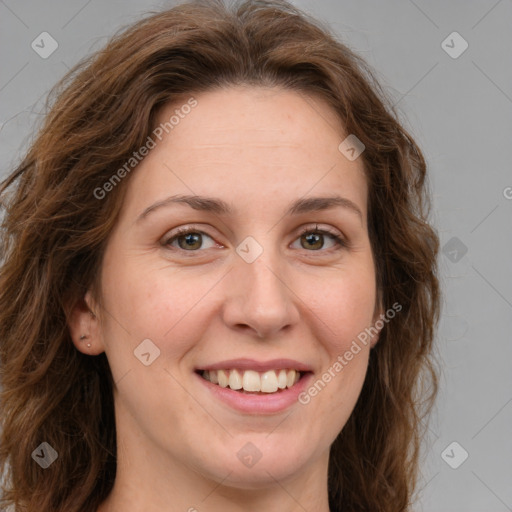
(83, 337)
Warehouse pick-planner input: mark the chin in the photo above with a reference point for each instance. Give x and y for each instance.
(249, 467)
(259, 476)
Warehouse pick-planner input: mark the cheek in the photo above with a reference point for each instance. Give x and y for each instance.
(162, 303)
(344, 310)
(346, 306)
(155, 302)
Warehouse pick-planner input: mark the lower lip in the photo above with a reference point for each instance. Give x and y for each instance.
(259, 404)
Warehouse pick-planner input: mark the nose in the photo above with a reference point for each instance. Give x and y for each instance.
(260, 298)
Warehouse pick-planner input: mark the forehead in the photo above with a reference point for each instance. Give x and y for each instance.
(244, 143)
(255, 117)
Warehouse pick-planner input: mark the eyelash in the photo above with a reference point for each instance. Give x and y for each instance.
(340, 242)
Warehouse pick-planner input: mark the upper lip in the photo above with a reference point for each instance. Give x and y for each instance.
(261, 366)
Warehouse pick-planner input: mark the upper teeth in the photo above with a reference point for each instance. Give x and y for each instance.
(250, 380)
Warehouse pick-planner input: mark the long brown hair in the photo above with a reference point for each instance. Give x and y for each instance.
(55, 229)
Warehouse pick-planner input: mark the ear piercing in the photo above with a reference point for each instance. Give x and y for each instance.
(84, 337)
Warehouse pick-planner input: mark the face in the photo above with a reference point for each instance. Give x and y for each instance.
(234, 289)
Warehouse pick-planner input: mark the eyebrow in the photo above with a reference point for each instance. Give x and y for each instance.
(218, 206)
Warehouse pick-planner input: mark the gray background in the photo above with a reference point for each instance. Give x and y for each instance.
(460, 112)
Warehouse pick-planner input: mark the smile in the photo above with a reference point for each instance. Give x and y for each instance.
(252, 381)
(252, 386)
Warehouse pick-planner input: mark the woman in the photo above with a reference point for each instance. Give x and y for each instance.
(219, 285)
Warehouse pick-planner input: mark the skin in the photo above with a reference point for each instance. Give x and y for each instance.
(258, 149)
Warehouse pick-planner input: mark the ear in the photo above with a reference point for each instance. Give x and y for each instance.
(84, 326)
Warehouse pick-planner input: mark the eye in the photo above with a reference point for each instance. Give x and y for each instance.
(188, 239)
(314, 239)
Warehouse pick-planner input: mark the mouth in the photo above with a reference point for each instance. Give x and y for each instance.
(255, 387)
(254, 382)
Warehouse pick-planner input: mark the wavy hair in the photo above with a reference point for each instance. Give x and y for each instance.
(54, 232)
